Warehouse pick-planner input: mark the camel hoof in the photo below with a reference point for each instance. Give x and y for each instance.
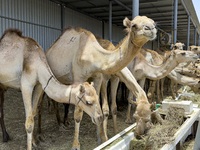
(40, 138)
(129, 121)
(75, 148)
(67, 122)
(6, 138)
(63, 127)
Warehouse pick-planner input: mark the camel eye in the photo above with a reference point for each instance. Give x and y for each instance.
(88, 103)
(147, 28)
(196, 49)
(183, 53)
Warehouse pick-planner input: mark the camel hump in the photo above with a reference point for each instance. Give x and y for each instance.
(12, 30)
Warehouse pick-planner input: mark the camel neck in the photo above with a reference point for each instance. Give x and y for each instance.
(114, 61)
(157, 72)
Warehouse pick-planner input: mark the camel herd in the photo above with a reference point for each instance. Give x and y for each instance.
(78, 57)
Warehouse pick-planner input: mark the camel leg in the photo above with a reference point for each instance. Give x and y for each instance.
(114, 85)
(38, 97)
(66, 120)
(151, 90)
(55, 105)
(6, 137)
(97, 85)
(161, 88)
(158, 91)
(27, 89)
(78, 114)
(176, 88)
(105, 107)
(142, 82)
(128, 114)
(172, 89)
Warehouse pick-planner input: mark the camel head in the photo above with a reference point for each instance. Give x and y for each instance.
(196, 88)
(184, 56)
(141, 28)
(194, 48)
(88, 101)
(142, 116)
(178, 45)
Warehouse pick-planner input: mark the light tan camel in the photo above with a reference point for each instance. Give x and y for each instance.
(76, 56)
(140, 68)
(160, 83)
(24, 66)
(194, 48)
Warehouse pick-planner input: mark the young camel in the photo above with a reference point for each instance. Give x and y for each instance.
(76, 56)
(24, 66)
(140, 68)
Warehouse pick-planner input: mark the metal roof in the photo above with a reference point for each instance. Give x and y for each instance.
(161, 11)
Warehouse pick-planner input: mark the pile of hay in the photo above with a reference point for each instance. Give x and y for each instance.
(194, 98)
(161, 134)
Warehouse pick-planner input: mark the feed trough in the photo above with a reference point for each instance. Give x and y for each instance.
(122, 140)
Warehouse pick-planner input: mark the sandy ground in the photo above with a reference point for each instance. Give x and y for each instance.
(54, 138)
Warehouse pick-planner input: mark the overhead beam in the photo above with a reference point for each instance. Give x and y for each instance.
(121, 4)
(187, 12)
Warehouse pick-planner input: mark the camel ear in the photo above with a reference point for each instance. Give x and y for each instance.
(82, 88)
(127, 22)
(153, 106)
(190, 48)
(92, 84)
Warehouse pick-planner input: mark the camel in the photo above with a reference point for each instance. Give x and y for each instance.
(24, 66)
(76, 56)
(140, 68)
(165, 53)
(194, 48)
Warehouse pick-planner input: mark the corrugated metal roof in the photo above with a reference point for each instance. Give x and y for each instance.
(160, 11)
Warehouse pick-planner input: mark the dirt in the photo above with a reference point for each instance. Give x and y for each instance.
(54, 138)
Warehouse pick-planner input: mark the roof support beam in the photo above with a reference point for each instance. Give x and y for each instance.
(195, 35)
(135, 8)
(110, 21)
(199, 41)
(188, 32)
(175, 20)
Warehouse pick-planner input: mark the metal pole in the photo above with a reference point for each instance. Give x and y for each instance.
(158, 37)
(62, 16)
(199, 40)
(110, 21)
(175, 20)
(188, 33)
(135, 8)
(195, 33)
(103, 26)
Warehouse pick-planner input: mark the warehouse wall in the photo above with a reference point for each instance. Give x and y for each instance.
(38, 19)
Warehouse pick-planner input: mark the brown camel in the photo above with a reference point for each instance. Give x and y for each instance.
(140, 68)
(76, 56)
(24, 66)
